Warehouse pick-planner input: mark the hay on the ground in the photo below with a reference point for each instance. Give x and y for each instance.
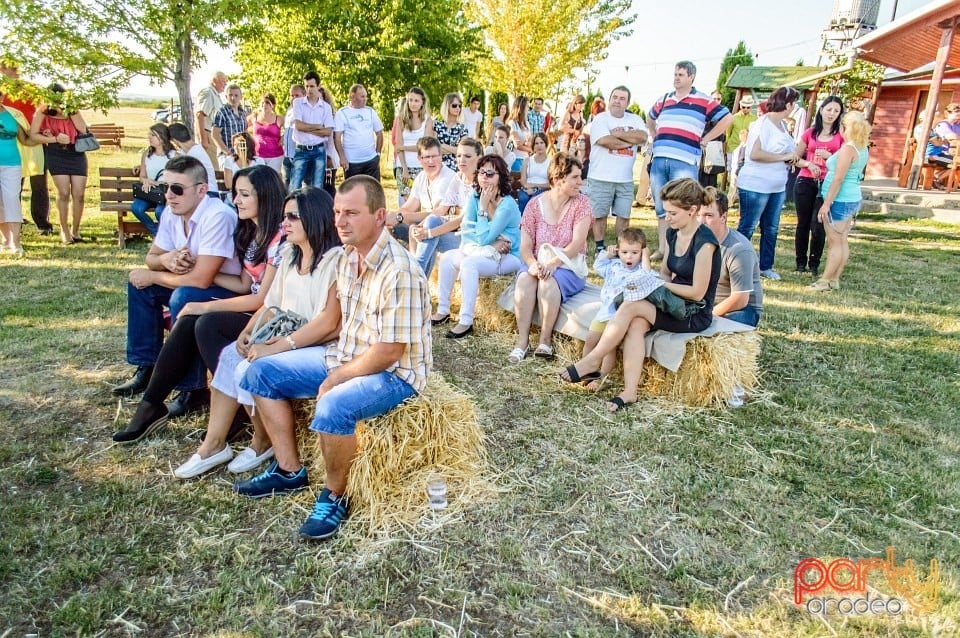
(435, 433)
(489, 317)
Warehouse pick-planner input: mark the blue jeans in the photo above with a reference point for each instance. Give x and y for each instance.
(145, 324)
(523, 198)
(762, 208)
(297, 374)
(139, 208)
(308, 165)
(747, 315)
(428, 248)
(667, 169)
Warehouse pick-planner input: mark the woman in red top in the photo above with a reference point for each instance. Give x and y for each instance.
(818, 142)
(58, 131)
(267, 133)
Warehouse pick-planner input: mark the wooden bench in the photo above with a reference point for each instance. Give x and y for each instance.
(107, 134)
(116, 195)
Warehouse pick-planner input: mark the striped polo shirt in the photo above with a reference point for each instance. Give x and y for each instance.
(680, 124)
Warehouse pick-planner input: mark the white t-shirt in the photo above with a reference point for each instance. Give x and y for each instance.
(198, 152)
(359, 128)
(305, 295)
(472, 121)
(608, 165)
(762, 177)
(431, 193)
(209, 232)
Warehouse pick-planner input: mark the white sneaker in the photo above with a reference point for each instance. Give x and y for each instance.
(248, 460)
(197, 465)
(770, 273)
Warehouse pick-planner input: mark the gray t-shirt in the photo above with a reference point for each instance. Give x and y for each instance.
(739, 270)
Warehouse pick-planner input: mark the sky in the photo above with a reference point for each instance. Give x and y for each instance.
(778, 33)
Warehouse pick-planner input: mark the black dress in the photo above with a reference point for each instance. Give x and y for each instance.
(682, 267)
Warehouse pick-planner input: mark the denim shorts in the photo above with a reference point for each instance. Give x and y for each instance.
(843, 211)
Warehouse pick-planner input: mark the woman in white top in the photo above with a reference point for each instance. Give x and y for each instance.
(762, 182)
(520, 132)
(304, 284)
(533, 173)
(413, 122)
(152, 162)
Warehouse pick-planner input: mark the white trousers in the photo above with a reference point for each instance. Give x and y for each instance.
(470, 270)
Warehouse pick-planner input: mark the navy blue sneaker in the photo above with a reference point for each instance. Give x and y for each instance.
(328, 512)
(272, 483)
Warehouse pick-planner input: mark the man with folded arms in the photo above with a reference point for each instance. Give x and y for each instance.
(312, 128)
(382, 358)
(192, 246)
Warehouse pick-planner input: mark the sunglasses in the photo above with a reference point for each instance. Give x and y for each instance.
(455, 106)
(177, 189)
(292, 216)
(487, 173)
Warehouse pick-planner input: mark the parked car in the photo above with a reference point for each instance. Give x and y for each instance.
(164, 115)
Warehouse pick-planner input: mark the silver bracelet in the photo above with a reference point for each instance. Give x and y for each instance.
(293, 344)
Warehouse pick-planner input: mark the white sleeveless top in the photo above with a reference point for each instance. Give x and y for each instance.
(155, 164)
(537, 171)
(410, 138)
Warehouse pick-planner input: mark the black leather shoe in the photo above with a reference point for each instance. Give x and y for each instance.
(146, 420)
(439, 319)
(452, 334)
(137, 383)
(188, 401)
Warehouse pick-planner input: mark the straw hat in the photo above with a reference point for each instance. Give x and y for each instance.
(747, 100)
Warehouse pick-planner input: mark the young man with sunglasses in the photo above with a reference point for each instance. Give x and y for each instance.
(194, 244)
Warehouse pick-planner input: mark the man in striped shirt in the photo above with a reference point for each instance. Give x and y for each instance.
(676, 123)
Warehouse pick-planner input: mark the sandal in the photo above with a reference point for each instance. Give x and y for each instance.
(518, 354)
(543, 351)
(618, 404)
(575, 377)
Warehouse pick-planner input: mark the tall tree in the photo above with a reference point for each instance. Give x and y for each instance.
(97, 46)
(737, 56)
(538, 44)
(387, 45)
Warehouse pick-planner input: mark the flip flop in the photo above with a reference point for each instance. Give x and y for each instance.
(575, 377)
(618, 404)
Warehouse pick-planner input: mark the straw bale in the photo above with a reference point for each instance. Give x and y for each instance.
(711, 367)
(488, 315)
(435, 433)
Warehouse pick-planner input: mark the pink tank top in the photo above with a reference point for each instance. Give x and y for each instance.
(57, 126)
(267, 138)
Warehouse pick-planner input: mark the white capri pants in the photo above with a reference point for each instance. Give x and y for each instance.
(230, 371)
(10, 211)
(470, 269)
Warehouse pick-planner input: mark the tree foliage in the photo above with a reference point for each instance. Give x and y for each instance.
(852, 85)
(737, 56)
(536, 45)
(96, 46)
(387, 45)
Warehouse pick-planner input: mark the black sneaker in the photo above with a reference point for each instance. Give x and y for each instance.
(328, 513)
(137, 383)
(272, 483)
(188, 401)
(148, 419)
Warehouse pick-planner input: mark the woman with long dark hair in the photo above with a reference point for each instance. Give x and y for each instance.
(152, 162)
(203, 328)
(305, 285)
(817, 144)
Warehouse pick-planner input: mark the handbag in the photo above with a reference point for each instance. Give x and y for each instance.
(577, 265)
(714, 161)
(155, 195)
(675, 306)
(86, 142)
(281, 324)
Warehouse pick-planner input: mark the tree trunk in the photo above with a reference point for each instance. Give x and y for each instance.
(181, 79)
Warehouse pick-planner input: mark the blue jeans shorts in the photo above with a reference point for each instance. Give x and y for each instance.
(297, 374)
(843, 211)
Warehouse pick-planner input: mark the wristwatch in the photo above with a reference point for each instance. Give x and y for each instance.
(399, 217)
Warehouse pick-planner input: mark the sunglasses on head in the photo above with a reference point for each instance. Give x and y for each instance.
(177, 189)
(488, 173)
(292, 216)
